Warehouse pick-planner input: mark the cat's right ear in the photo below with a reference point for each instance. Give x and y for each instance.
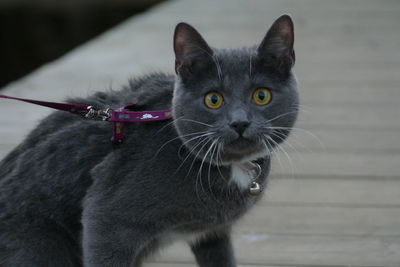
(191, 51)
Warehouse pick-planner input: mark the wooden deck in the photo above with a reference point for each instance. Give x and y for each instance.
(336, 202)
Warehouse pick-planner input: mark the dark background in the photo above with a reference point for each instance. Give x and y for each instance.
(37, 31)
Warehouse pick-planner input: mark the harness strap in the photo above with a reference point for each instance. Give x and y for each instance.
(117, 117)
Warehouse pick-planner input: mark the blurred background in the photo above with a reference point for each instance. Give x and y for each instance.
(38, 31)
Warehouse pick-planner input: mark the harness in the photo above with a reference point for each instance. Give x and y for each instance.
(116, 116)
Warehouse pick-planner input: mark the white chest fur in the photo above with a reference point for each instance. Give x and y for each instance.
(240, 177)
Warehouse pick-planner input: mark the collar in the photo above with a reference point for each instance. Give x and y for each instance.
(254, 170)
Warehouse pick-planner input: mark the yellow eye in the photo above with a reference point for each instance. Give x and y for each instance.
(213, 100)
(262, 96)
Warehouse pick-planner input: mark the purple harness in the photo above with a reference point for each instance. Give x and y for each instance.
(117, 117)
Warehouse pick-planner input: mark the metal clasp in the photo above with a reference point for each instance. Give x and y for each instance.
(98, 114)
(255, 187)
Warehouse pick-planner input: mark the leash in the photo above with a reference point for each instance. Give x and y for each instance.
(118, 117)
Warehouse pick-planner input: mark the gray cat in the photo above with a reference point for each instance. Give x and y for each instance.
(68, 197)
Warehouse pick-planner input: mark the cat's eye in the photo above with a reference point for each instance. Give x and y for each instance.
(262, 96)
(213, 100)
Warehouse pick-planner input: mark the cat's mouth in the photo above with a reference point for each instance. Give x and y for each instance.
(240, 144)
(241, 148)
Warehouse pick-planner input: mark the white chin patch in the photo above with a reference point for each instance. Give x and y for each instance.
(240, 177)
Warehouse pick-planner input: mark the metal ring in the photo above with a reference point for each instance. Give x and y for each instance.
(259, 171)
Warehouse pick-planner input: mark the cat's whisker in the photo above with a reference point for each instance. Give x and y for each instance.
(207, 139)
(285, 153)
(199, 122)
(197, 178)
(218, 65)
(168, 124)
(215, 144)
(271, 149)
(303, 108)
(204, 158)
(219, 160)
(199, 173)
(278, 135)
(280, 116)
(268, 149)
(173, 139)
(206, 133)
(190, 153)
(296, 129)
(293, 138)
(260, 139)
(198, 153)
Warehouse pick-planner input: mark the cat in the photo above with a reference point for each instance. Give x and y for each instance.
(69, 197)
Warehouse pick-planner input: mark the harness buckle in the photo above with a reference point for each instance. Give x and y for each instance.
(98, 114)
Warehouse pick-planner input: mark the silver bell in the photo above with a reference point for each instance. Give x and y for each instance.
(254, 189)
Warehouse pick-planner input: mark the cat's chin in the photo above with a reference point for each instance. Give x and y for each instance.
(230, 159)
(241, 154)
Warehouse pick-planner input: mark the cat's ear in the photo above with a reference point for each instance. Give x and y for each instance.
(277, 45)
(191, 51)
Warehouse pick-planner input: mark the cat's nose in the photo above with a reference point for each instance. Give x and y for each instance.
(240, 126)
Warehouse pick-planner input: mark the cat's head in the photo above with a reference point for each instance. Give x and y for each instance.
(233, 105)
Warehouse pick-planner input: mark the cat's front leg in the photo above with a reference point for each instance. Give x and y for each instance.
(110, 242)
(214, 251)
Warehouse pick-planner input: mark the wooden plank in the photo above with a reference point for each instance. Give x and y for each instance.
(338, 94)
(338, 72)
(337, 164)
(330, 190)
(352, 116)
(342, 140)
(304, 250)
(321, 220)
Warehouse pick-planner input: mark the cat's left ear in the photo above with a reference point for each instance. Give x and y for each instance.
(277, 45)
(191, 51)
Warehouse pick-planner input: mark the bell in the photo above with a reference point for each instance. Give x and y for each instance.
(254, 189)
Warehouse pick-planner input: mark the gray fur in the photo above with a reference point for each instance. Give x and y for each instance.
(68, 197)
